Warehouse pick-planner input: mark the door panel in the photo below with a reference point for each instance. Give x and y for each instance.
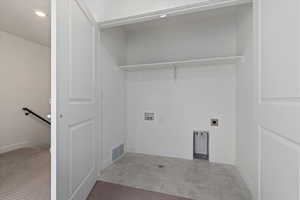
(280, 168)
(82, 56)
(280, 32)
(282, 118)
(77, 103)
(81, 155)
(279, 98)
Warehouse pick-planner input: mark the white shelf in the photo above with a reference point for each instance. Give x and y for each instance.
(185, 63)
(193, 8)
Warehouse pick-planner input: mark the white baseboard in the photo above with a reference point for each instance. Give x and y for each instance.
(250, 184)
(119, 157)
(131, 150)
(12, 147)
(108, 163)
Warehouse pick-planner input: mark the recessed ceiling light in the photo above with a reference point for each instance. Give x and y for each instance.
(163, 16)
(40, 13)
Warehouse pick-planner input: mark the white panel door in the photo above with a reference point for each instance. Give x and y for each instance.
(77, 102)
(278, 25)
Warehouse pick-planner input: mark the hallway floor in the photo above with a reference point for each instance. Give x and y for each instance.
(198, 180)
(110, 191)
(25, 174)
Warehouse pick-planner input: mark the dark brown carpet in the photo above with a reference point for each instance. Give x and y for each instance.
(110, 191)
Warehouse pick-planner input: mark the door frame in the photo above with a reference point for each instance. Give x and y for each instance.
(53, 148)
(55, 94)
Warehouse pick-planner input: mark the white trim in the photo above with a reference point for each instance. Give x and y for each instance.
(119, 158)
(249, 183)
(258, 90)
(86, 11)
(100, 104)
(53, 148)
(109, 163)
(98, 101)
(12, 147)
(197, 7)
(259, 163)
(185, 63)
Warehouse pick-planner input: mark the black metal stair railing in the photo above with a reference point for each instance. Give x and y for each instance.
(28, 112)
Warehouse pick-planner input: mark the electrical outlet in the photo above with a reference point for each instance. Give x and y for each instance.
(214, 122)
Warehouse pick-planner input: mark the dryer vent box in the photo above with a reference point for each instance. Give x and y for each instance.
(149, 116)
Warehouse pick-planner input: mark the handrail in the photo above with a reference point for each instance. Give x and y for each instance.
(28, 111)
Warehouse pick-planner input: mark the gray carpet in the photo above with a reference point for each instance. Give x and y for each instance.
(25, 174)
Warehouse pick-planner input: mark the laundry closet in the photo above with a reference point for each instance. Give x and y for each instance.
(175, 94)
(189, 70)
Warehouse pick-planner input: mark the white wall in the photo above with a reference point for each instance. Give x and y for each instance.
(25, 82)
(197, 95)
(193, 36)
(247, 137)
(111, 9)
(181, 106)
(113, 92)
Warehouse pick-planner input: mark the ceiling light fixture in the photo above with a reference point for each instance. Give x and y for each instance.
(40, 13)
(163, 16)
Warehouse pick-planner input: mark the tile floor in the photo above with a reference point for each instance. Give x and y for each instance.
(198, 180)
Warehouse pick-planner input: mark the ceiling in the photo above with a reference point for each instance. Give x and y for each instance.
(17, 17)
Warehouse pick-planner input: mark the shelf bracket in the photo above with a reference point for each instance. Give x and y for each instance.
(243, 59)
(174, 72)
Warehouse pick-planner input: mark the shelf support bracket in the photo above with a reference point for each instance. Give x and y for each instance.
(174, 72)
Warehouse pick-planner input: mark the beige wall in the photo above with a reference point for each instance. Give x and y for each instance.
(25, 81)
